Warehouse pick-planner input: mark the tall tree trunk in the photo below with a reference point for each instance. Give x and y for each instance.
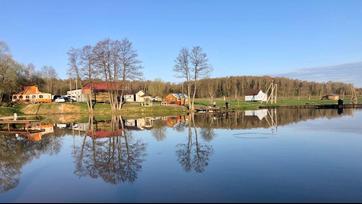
(189, 94)
(193, 96)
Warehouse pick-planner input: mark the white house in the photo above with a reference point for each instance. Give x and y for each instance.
(256, 95)
(137, 97)
(78, 94)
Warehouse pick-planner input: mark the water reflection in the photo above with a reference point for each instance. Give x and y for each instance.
(15, 152)
(194, 155)
(109, 151)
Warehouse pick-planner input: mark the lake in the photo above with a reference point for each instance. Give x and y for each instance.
(282, 155)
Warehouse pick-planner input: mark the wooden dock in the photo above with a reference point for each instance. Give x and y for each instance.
(25, 123)
(207, 109)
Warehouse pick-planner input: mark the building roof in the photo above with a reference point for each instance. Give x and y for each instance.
(252, 92)
(179, 95)
(103, 86)
(110, 86)
(27, 90)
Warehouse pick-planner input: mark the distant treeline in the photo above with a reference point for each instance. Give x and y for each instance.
(238, 86)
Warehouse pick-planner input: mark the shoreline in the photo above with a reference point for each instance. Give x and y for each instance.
(138, 111)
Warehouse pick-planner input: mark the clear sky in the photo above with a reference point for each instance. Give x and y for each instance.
(240, 37)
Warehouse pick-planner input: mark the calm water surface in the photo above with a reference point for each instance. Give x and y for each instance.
(280, 156)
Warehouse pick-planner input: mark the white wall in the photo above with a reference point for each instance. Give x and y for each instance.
(260, 97)
(78, 94)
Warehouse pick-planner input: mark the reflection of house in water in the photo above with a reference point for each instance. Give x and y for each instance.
(102, 129)
(261, 114)
(140, 123)
(41, 130)
(104, 133)
(173, 121)
(83, 127)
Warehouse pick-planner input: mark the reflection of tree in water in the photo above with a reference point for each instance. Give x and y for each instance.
(285, 116)
(159, 130)
(194, 156)
(15, 153)
(115, 159)
(207, 132)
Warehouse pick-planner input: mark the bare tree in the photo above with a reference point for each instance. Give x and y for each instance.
(110, 60)
(49, 74)
(199, 68)
(156, 87)
(29, 70)
(73, 61)
(8, 71)
(183, 71)
(88, 72)
(103, 63)
(130, 67)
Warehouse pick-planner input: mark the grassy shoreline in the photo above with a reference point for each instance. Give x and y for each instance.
(100, 109)
(282, 102)
(130, 110)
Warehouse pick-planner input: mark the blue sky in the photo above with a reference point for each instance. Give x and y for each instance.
(240, 37)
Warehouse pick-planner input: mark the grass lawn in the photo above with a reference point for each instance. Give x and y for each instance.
(242, 105)
(9, 111)
(135, 110)
(132, 110)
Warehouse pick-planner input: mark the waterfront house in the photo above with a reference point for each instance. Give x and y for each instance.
(176, 98)
(256, 95)
(100, 90)
(31, 94)
(135, 97)
(78, 95)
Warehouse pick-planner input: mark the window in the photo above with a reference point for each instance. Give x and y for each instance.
(21, 97)
(27, 97)
(14, 97)
(33, 96)
(40, 96)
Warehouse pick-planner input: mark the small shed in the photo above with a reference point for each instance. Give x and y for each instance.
(78, 94)
(176, 98)
(256, 95)
(134, 97)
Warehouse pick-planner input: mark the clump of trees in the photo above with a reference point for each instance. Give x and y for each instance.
(192, 66)
(113, 61)
(237, 86)
(14, 75)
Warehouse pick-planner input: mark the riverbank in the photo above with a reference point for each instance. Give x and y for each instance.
(100, 109)
(282, 102)
(132, 110)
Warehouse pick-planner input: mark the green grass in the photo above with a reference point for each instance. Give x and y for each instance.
(9, 111)
(242, 105)
(100, 109)
(135, 110)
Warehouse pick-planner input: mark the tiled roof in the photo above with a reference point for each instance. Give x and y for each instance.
(179, 95)
(103, 86)
(27, 90)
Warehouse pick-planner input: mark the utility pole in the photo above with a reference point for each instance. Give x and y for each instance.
(354, 98)
(273, 92)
